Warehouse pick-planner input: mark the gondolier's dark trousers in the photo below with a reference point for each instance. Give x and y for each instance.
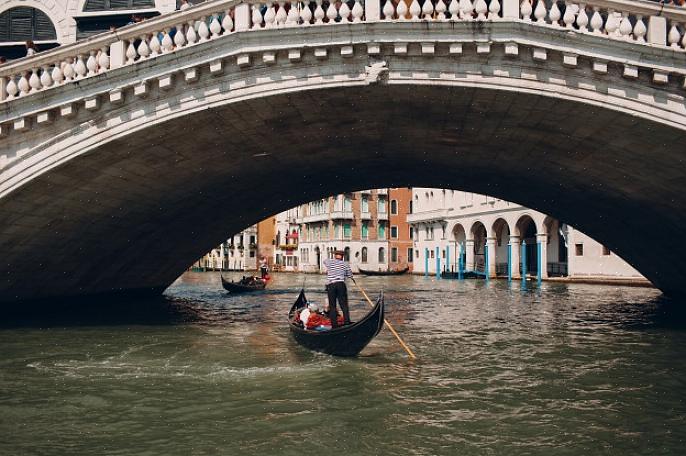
(337, 291)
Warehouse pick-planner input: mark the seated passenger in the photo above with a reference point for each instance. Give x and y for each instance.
(307, 312)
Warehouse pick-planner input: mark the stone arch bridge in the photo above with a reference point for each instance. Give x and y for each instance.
(125, 157)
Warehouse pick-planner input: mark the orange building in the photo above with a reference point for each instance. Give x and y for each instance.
(400, 238)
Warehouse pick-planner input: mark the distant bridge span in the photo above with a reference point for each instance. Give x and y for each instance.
(127, 156)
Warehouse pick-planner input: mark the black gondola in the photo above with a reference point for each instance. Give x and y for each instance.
(384, 273)
(348, 340)
(255, 284)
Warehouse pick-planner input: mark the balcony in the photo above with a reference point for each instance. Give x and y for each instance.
(382, 191)
(382, 216)
(314, 218)
(365, 215)
(288, 246)
(436, 215)
(342, 215)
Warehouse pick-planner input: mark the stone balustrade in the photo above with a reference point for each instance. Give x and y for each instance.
(641, 22)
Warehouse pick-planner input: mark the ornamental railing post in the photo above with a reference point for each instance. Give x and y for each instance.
(372, 10)
(657, 30)
(510, 9)
(242, 17)
(3, 88)
(117, 54)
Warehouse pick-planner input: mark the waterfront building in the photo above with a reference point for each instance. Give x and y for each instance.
(400, 234)
(483, 231)
(266, 232)
(238, 253)
(356, 223)
(286, 255)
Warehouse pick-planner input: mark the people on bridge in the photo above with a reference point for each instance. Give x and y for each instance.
(185, 4)
(337, 270)
(31, 48)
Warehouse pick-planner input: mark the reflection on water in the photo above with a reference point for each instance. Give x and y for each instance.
(561, 370)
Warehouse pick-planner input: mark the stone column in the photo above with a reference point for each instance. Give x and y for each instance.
(117, 54)
(491, 242)
(372, 10)
(515, 259)
(542, 247)
(241, 17)
(510, 9)
(469, 255)
(3, 88)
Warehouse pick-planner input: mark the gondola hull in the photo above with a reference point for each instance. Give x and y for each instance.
(383, 273)
(236, 287)
(346, 340)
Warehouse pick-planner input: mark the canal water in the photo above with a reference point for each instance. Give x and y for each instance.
(563, 370)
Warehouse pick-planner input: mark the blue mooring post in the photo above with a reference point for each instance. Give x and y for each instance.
(426, 262)
(438, 263)
(460, 263)
(523, 262)
(447, 259)
(486, 262)
(509, 262)
(540, 263)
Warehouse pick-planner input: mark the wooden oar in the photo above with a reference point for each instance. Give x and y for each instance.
(403, 344)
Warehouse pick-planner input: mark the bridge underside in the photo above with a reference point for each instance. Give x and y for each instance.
(135, 213)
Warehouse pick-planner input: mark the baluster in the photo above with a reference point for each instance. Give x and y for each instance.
(167, 44)
(555, 14)
(683, 41)
(402, 10)
(673, 36)
(466, 10)
(80, 67)
(281, 15)
(203, 29)
(331, 12)
(344, 11)
(257, 16)
(227, 22)
(191, 36)
(155, 45)
(57, 75)
(306, 13)
(34, 81)
(270, 17)
(596, 21)
(12, 88)
(625, 27)
(525, 10)
(104, 59)
(92, 64)
(388, 10)
(143, 49)
(640, 29)
(427, 10)
(441, 8)
(415, 10)
(215, 27)
(45, 78)
(454, 10)
(131, 53)
(358, 11)
(582, 18)
(540, 11)
(569, 16)
(481, 8)
(292, 17)
(611, 25)
(319, 14)
(494, 10)
(68, 70)
(23, 85)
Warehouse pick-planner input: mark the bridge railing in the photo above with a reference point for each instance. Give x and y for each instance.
(629, 20)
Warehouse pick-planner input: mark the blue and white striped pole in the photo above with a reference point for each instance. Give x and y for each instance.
(447, 259)
(438, 263)
(486, 265)
(460, 263)
(426, 262)
(509, 262)
(540, 263)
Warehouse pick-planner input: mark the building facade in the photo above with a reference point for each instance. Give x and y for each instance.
(286, 256)
(238, 253)
(400, 243)
(455, 230)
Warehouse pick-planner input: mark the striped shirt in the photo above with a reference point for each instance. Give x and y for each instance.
(337, 270)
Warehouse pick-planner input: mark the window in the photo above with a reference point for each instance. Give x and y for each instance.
(347, 203)
(103, 5)
(365, 203)
(443, 254)
(394, 254)
(416, 253)
(431, 253)
(347, 231)
(382, 230)
(606, 251)
(365, 230)
(252, 254)
(382, 255)
(337, 231)
(382, 205)
(394, 207)
(410, 211)
(579, 249)
(411, 233)
(409, 255)
(23, 23)
(394, 232)
(364, 254)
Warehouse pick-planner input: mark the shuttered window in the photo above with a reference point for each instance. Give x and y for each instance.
(104, 5)
(23, 23)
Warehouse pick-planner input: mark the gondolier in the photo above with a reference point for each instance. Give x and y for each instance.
(337, 270)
